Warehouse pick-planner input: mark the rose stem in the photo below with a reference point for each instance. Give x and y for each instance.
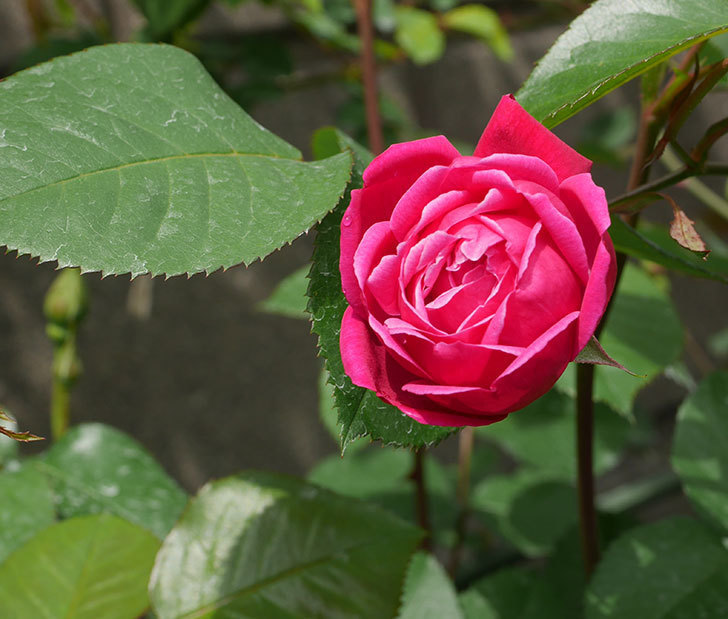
(363, 9)
(585, 472)
(423, 512)
(639, 172)
(465, 453)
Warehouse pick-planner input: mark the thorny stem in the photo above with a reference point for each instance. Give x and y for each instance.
(421, 502)
(465, 456)
(363, 9)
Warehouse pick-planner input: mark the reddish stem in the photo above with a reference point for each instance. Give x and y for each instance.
(421, 503)
(363, 9)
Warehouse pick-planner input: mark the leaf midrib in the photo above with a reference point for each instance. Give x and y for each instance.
(270, 580)
(131, 164)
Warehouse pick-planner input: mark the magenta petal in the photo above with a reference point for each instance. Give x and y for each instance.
(587, 206)
(362, 361)
(598, 291)
(375, 244)
(410, 206)
(563, 232)
(513, 130)
(381, 284)
(408, 161)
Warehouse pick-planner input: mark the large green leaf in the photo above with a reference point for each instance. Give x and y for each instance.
(610, 43)
(651, 572)
(96, 468)
(129, 158)
(264, 545)
(428, 592)
(361, 412)
(84, 568)
(26, 507)
(699, 453)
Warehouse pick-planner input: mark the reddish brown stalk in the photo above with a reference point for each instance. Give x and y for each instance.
(465, 456)
(585, 460)
(363, 9)
(421, 503)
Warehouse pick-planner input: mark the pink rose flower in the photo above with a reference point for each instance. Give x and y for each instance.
(473, 281)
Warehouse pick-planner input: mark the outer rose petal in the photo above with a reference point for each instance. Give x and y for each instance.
(513, 130)
(598, 291)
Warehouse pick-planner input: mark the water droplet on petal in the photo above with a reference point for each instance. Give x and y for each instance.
(347, 220)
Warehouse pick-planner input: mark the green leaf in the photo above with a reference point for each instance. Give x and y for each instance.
(699, 454)
(83, 568)
(708, 599)
(653, 243)
(96, 468)
(503, 595)
(482, 22)
(330, 141)
(544, 433)
(361, 412)
(554, 591)
(164, 17)
(363, 474)
(266, 545)
(428, 592)
(289, 297)
(643, 331)
(26, 507)
(159, 170)
(532, 508)
(652, 571)
(609, 44)
(419, 34)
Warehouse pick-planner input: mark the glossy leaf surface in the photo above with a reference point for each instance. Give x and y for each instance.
(84, 568)
(96, 468)
(699, 454)
(610, 43)
(26, 507)
(264, 545)
(160, 172)
(652, 571)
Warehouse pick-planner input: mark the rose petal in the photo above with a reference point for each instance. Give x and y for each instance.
(519, 167)
(381, 284)
(410, 206)
(513, 130)
(407, 161)
(535, 371)
(536, 302)
(563, 232)
(588, 208)
(376, 243)
(598, 291)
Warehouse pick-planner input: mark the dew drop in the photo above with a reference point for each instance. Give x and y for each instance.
(347, 220)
